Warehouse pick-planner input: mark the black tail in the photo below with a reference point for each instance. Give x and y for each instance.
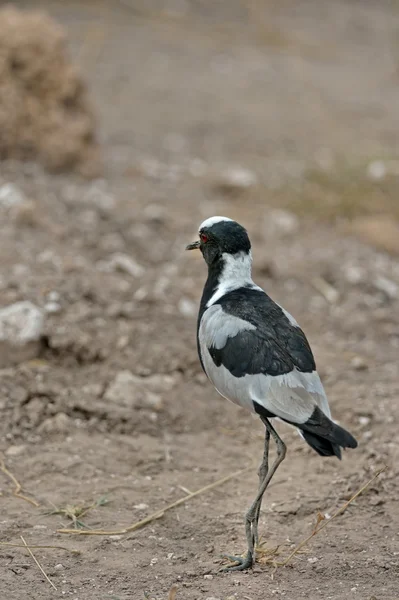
(325, 436)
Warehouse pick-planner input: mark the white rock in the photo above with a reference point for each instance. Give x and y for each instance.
(132, 391)
(376, 170)
(389, 287)
(282, 221)
(141, 506)
(15, 450)
(238, 178)
(123, 389)
(21, 327)
(208, 576)
(59, 567)
(11, 195)
(187, 307)
(121, 262)
(52, 307)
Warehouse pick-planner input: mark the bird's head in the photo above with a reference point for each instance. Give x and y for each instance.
(219, 236)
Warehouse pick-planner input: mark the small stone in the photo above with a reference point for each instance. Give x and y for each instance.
(364, 421)
(59, 567)
(208, 576)
(235, 180)
(187, 307)
(354, 274)
(60, 423)
(15, 450)
(153, 561)
(52, 307)
(11, 195)
(93, 389)
(282, 222)
(313, 560)
(21, 328)
(239, 177)
(358, 363)
(387, 286)
(214, 598)
(376, 170)
(123, 263)
(123, 389)
(53, 296)
(141, 506)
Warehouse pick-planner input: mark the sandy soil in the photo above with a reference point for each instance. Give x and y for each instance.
(180, 98)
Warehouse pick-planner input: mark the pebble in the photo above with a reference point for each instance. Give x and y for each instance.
(210, 577)
(15, 450)
(52, 307)
(358, 363)
(387, 286)
(60, 423)
(235, 179)
(187, 307)
(123, 389)
(11, 195)
(123, 263)
(377, 170)
(281, 221)
(59, 567)
(21, 328)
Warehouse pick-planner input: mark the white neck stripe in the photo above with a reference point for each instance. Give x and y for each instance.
(236, 273)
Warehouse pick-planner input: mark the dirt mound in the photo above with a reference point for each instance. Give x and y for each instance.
(44, 111)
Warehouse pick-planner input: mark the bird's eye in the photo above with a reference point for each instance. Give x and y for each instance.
(203, 238)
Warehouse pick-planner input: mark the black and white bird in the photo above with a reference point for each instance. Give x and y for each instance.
(256, 355)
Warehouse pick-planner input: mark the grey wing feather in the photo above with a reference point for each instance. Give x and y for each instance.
(292, 396)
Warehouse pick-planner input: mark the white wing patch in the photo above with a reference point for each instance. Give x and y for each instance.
(292, 396)
(216, 326)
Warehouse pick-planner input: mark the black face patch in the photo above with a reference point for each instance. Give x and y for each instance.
(224, 237)
(273, 348)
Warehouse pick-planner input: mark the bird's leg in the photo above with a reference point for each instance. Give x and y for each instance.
(263, 469)
(247, 562)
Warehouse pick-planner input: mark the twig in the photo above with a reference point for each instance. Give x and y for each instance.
(325, 522)
(9, 544)
(37, 562)
(18, 488)
(159, 513)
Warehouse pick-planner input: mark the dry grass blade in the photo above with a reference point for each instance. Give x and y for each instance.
(76, 512)
(11, 545)
(159, 513)
(172, 592)
(323, 522)
(18, 487)
(37, 562)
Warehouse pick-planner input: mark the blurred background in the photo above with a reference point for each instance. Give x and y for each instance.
(123, 125)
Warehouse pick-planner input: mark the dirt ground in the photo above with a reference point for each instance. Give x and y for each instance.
(182, 94)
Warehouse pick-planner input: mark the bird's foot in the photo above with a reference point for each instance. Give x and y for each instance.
(245, 562)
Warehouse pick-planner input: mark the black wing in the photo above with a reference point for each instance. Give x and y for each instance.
(276, 346)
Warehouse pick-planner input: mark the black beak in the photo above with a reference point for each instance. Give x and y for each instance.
(193, 246)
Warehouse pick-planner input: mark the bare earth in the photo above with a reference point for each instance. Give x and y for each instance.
(180, 97)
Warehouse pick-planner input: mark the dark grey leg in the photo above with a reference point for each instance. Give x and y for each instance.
(253, 513)
(263, 469)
